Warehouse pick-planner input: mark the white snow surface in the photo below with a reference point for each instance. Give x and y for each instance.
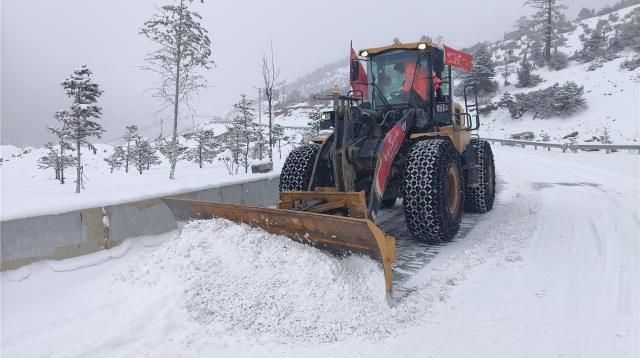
(552, 270)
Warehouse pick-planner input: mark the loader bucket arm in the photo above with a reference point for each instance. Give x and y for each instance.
(393, 140)
(338, 235)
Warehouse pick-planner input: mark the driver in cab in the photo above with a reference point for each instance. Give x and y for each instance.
(416, 79)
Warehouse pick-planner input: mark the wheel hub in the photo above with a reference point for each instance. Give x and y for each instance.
(452, 190)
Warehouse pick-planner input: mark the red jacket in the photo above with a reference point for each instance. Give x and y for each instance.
(419, 80)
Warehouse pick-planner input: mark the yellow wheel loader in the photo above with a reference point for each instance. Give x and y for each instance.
(402, 138)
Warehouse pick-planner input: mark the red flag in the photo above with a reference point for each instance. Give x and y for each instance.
(361, 82)
(457, 58)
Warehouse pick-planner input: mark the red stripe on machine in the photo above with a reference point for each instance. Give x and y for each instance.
(392, 142)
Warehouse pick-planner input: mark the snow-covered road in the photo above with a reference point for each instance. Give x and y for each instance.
(551, 271)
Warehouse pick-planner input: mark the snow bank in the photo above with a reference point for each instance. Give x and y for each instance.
(238, 278)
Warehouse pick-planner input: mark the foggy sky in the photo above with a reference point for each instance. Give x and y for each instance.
(44, 40)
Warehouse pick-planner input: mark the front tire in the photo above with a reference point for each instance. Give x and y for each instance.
(432, 191)
(298, 167)
(480, 199)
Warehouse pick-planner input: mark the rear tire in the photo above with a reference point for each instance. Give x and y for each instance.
(480, 199)
(432, 191)
(298, 167)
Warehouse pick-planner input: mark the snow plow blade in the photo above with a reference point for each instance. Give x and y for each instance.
(338, 235)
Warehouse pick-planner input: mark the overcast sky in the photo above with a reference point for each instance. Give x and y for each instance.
(44, 40)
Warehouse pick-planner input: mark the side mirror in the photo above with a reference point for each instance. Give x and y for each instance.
(355, 70)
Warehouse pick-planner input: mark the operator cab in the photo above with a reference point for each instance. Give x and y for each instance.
(400, 77)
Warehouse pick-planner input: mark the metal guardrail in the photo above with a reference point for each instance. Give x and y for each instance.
(566, 146)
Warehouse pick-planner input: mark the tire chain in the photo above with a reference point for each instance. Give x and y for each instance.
(297, 168)
(479, 199)
(423, 191)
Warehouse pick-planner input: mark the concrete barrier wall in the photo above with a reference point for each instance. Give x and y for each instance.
(89, 230)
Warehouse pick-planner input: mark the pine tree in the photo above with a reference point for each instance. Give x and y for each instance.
(206, 149)
(546, 17)
(244, 128)
(559, 60)
(77, 126)
(536, 53)
(483, 72)
(143, 155)
(585, 14)
(63, 160)
(116, 159)
(184, 47)
(131, 135)
(50, 160)
(525, 76)
(278, 136)
(166, 149)
(261, 142)
(593, 45)
(313, 126)
(605, 138)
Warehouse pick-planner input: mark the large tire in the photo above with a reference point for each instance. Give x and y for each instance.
(480, 199)
(432, 191)
(298, 167)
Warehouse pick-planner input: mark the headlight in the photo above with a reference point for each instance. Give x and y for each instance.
(364, 53)
(422, 46)
(325, 116)
(442, 107)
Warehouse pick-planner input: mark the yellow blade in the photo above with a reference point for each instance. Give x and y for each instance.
(338, 235)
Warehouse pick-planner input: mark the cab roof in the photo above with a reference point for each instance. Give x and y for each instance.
(407, 46)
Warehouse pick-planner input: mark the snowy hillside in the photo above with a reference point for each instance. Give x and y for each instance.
(612, 94)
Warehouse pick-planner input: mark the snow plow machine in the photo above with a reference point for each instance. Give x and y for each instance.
(399, 136)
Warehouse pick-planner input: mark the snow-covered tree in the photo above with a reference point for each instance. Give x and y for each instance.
(585, 14)
(507, 101)
(260, 147)
(546, 18)
(166, 149)
(482, 73)
(183, 48)
(117, 158)
(559, 60)
(593, 45)
(50, 160)
(63, 160)
(526, 77)
(77, 126)
(244, 128)
(554, 101)
(143, 155)
(206, 149)
(131, 135)
(536, 54)
(278, 136)
(545, 136)
(605, 138)
(313, 126)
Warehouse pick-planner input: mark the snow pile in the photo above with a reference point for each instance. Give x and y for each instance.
(236, 278)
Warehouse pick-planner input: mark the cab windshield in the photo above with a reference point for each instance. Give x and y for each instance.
(400, 79)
